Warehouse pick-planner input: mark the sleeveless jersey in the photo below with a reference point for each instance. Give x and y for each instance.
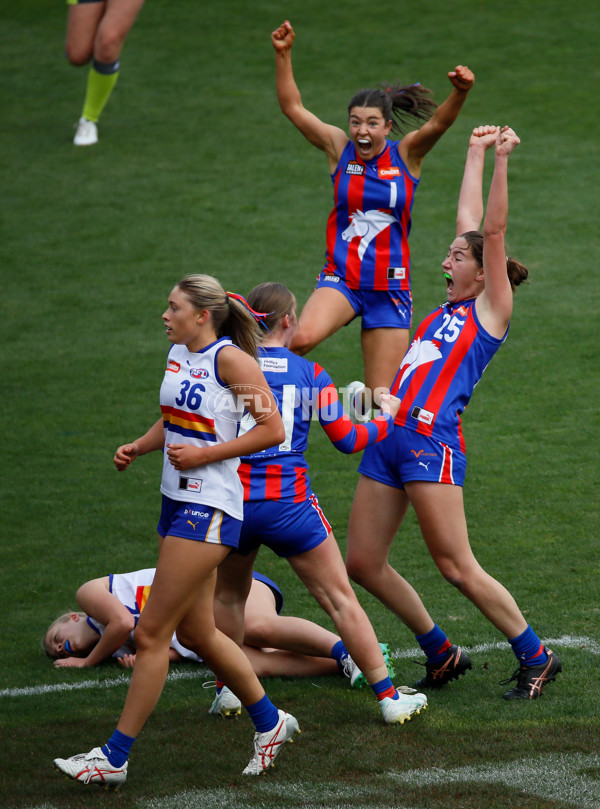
(198, 409)
(445, 360)
(367, 230)
(303, 392)
(132, 590)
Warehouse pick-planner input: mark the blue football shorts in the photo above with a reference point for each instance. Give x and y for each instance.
(198, 522)
(405, 456)
(286, 528)
(380, 309)
(277, 594)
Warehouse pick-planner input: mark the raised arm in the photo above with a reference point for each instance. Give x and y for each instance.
(470, 199)
(494, 305)
(415, 145)
(330, 139)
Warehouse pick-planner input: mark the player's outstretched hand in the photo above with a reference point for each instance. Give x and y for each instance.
(283, 37)
(462, 78)
(125, 455)
(506, 141)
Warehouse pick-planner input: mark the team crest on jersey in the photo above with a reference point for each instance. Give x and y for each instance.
(355, 168)
(388, 173)
(366, 225)
(419, 353)
(198, 373)
(173, 366)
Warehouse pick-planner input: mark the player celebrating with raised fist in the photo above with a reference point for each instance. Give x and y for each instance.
(423, 462)
(367, 268)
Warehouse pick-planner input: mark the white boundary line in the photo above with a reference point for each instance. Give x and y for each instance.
(565, 642)
(553, 777)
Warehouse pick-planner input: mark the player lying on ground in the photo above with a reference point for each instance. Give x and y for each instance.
(276, 645)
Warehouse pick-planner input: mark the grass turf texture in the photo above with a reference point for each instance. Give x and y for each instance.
(197, 170)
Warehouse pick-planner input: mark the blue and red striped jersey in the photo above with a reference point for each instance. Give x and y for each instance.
(368, 228)
(304, 392)
(448, 354)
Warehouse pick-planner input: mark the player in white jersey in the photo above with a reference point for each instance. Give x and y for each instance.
(198, 316)
(113, 604)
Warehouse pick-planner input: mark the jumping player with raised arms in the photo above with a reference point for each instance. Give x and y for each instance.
(367, 267)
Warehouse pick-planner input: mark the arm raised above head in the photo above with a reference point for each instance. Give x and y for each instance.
(330, 139)
(415, 145)
(470, 199)
(494, 305)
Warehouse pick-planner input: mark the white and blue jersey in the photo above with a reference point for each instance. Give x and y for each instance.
(199, 409)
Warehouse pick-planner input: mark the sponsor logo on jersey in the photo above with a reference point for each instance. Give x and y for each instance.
(190, 484)
(396, 272)
(331, 279)
(462, 311)
(278, 365)
(387, 173)
(420, 414)
(173, 366)
(355, 168)
(421, 452)
(198, 373)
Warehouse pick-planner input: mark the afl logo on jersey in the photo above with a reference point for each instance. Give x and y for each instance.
(355, 168)
(388, 173)
(173, 366)
(198, 373)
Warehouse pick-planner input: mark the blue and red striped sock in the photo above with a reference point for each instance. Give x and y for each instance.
(385, 688)
(528, 648)
(434, 643)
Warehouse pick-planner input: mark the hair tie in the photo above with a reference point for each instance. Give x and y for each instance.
(258, 316)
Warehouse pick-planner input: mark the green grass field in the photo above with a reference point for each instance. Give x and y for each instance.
(197, 170)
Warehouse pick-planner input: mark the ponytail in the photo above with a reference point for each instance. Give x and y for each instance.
(230, 316)
(517, 272)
